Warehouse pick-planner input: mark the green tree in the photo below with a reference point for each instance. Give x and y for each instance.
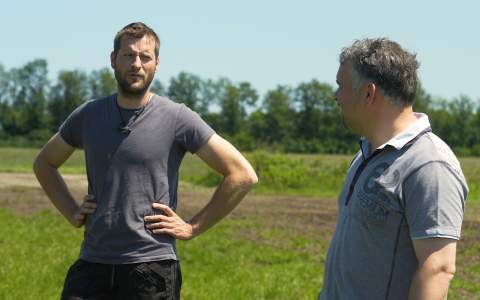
(423, 101)
(157, 87)
(101, 83)
(4, 82)
(185, 88)
(476, 130)
(69, 92)
(3, 98)
(234, 101)
(193, 91)
(313, 99)
(279, 114)
(26, 95)
(461, 127)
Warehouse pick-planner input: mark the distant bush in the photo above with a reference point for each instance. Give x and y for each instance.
(280, 173)
(34, 139)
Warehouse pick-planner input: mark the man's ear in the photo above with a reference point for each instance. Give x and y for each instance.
(157, 64)
(371, 92)
(113, 55)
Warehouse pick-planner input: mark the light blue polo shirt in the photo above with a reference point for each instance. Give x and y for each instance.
(411, 187)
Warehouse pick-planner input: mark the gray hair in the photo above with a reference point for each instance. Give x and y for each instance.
(387, 64)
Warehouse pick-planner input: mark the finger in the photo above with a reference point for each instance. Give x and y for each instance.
(89, 197)
(168, 231)
(167, 210)
(89, 205)
(160, 225)
(157, 218)
(87, 210)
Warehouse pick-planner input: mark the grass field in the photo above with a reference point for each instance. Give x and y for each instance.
(37, 251)
(291, 174)
(254, 254)
(273, 246)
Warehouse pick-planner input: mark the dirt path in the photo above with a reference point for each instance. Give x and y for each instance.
(22, 194)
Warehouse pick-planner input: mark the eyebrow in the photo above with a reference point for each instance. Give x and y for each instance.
(141, 52)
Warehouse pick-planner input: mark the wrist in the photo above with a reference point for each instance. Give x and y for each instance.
(72, 216)
(194, 228)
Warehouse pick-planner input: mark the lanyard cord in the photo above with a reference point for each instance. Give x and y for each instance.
(125, 127)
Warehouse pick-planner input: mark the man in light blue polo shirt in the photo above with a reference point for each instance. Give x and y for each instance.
(401, 207)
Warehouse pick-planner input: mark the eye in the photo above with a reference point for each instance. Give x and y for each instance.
(145, 58)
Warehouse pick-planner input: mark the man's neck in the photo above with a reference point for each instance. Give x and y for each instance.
(132, 102)
(389, 125)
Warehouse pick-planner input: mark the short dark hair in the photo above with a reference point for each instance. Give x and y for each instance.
(136, 30)
(388, 65)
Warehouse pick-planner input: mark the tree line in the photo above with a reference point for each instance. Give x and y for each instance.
(300, 119)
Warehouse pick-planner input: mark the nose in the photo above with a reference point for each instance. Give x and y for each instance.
(137, 62)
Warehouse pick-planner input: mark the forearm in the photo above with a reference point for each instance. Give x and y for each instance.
(430, 284)
(226, 197)
(55, 188)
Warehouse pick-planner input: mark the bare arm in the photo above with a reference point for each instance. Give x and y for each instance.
(239, 177)
(46, 165)
(436, 267)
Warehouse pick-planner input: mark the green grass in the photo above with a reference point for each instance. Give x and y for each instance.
(224, 265)
(286, 174)
(466, 283)
(237, 259)
(35, 254)
(20, 160)
(221, 264)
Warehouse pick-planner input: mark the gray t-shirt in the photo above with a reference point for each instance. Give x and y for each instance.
(411, 188)
(127, 173)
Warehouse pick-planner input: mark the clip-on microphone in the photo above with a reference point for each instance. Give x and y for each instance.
(124, 129)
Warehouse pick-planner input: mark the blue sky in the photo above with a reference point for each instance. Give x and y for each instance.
(264, 42)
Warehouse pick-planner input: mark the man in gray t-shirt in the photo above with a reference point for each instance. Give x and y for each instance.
(402, 203)
(134, 142)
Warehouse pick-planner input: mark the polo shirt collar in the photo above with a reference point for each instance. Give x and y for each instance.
(400, 140)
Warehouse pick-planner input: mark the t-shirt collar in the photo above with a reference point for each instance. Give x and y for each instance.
(400, 140)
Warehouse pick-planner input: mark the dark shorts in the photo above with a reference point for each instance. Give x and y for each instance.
(152, 280)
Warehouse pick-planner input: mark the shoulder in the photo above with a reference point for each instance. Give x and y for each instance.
(94, 105)
(164, 102)
(431, 150)
(170, 108)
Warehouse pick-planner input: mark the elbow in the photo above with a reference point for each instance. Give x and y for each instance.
(248, 179)
(40, 164)
(250, 175)
(448, 270)
(37, 164)
(245, 178)
(252, 178)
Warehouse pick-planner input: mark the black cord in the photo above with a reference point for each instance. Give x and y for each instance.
(125, 126)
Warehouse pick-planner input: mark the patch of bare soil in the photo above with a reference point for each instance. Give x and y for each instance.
(22, 194)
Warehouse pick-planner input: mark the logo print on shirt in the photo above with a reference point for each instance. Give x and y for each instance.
(373, 197)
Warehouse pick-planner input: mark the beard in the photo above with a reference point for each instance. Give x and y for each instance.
(129, 89)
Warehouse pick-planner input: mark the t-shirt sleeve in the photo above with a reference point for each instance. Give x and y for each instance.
(434, 197)
(191, 131)
(71, 128)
